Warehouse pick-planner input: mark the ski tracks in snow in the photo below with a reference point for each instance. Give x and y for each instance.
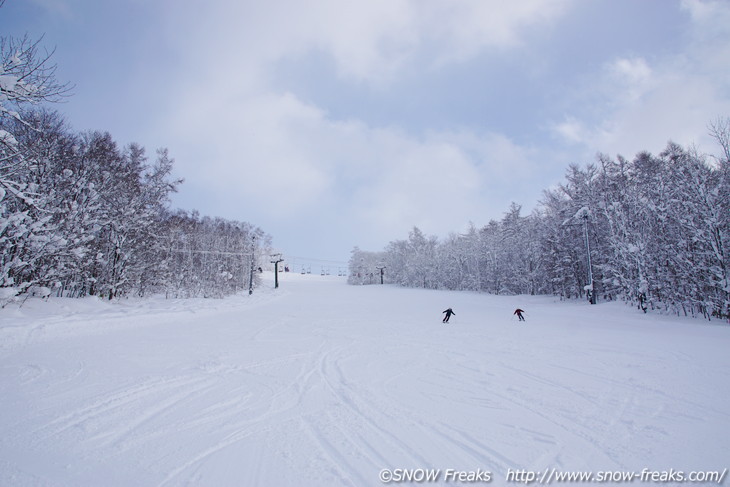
(369, 440)
(321, 385)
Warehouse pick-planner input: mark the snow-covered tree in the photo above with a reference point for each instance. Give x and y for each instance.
(80, 216)
(27, 78)
(652, 231)
(364, 267)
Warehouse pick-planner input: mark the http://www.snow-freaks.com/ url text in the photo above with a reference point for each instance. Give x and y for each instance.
(549, 476)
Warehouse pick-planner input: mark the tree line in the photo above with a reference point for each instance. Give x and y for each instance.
(653, 231)
(81, 216)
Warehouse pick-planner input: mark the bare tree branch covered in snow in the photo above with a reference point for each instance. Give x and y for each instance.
(27, 77)
(720, 131)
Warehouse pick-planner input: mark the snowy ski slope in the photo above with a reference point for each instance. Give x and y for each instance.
(323, 384)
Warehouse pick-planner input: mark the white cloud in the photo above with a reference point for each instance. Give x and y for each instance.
(711, 16)
(291, 162)
(632, 78)
(571, 130)
(281, 160)
(425, 183)
(370, 42)
(203, 88)
(255, 148)
(640, 105)
(460, 30)
(55, 7)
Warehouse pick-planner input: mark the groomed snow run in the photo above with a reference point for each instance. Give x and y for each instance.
(319, 383)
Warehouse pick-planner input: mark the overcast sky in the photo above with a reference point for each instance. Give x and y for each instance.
(332, 124)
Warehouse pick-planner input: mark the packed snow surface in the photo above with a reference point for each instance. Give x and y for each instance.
(321, 383)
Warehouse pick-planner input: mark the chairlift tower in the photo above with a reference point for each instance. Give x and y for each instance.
(588, 251)
(584, 214)
(381, 268)
(253, 259)
(275, 259)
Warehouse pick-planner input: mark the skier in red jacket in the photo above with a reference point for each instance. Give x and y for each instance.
(519, 312)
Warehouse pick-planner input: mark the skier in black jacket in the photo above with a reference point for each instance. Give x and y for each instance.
(448, 312)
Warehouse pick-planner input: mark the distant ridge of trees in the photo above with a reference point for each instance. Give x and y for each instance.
(80, 216)
(658, 230)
